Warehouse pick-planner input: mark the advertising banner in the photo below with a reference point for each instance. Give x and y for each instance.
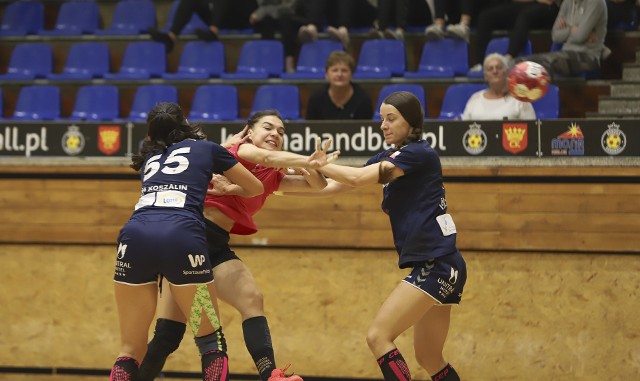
(594, 137)
(549, 138)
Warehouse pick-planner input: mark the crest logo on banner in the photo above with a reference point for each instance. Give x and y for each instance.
(109, 139)
(515, 137)
(613, 140)
(474, 140)
(73, 140)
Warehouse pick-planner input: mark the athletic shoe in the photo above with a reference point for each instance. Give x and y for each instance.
(434, 33)
(397, 34)
(460, 31)
(278, 375)
(158, 36)
(307, 33)
(339, 34)
(206, 35)
(476, 68)
(375, 34)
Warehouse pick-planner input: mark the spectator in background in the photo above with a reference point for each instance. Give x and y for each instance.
(215, 13)
(340, 98)
(293, 19)
(391, 13)
(519, 16)
(451, 9)
(495, 102)
(581, 27)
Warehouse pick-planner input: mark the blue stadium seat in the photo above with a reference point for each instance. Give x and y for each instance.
(215, 102)
(500, 45)
(259, 59)
(548, 107)
(29, 61)
(96, 102)
(445, 58)
(38, 103)
(456, 97)
(75, 18)
(194, 23)
(21, 18)
(381, 59)
(313, 59)
(200, 60)
(131, 17)
(142, 60)
(147, 96)
(417, 90)
(85, 60)
(284, 98)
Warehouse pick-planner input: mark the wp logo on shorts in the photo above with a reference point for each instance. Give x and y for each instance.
(196, 260)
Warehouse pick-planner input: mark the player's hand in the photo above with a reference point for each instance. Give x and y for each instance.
(296, 171)
(320, 157)
(238, 138)
(220, 185)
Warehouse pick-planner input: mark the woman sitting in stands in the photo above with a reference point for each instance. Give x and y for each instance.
(495, 102)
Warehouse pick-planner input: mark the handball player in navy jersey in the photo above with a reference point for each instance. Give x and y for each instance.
(424, 236)
(259, 147)
(165, 236)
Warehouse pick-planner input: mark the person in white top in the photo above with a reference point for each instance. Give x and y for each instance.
(495, 102)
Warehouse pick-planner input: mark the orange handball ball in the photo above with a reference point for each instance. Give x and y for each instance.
(528, 81)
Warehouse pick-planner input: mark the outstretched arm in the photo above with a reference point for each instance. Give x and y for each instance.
(378, 173)
(281, 159)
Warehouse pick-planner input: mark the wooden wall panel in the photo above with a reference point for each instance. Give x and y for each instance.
(562, 216)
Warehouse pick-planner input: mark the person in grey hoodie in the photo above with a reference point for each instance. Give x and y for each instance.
(580, 28)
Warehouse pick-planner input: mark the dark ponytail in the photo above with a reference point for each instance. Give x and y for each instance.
(166, 125)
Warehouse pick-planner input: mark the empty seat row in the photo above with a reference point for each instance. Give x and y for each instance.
(258, 59)
(102, 102)
(221, 102)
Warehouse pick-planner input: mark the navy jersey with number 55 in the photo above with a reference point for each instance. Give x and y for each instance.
(178, 178)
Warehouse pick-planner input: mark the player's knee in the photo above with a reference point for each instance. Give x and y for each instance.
(167, 336)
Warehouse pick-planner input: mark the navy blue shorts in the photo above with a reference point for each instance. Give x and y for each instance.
(162, 243)
(442, 278)
(218, 241)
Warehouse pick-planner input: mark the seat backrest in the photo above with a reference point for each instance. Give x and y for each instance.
(313, 55)
(88, 57)
(382, 54)
(78, 17)
(501, 45)
(147, 96)
(34, 59)
(456, 97)
(38, 103)
(215, 102)
(195, 22)
(22, 17)
(448, 52)
(262, 56)
(385, 91)
(96, 102)
(133, 17)
(145, 56)
(284, 98)
(548, 107)
(202, 56)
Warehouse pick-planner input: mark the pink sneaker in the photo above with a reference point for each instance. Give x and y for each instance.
(278, 375)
